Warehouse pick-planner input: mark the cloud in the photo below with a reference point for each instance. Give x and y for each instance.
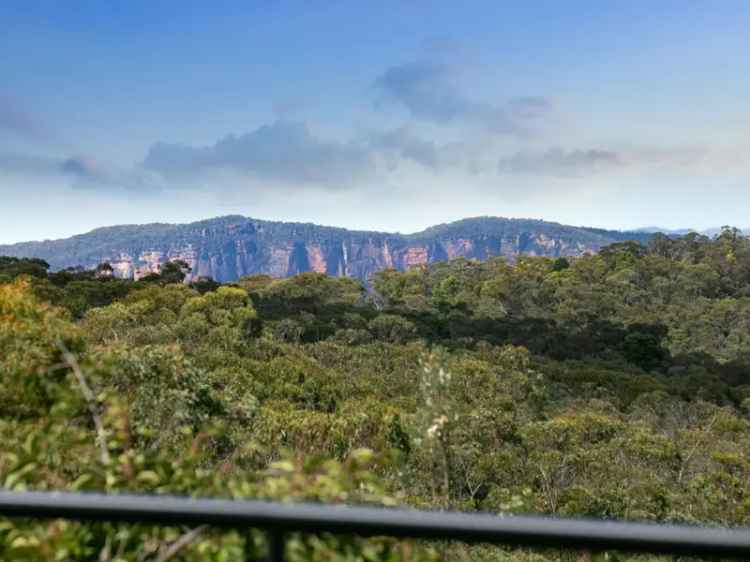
(89, 173)
(429, 91)
(403, 144)
(560, 162)
(16, 120)
(82, 167)
(79, 172)
(282, 151)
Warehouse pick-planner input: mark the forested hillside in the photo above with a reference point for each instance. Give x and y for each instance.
(614, 385)
(227, 248)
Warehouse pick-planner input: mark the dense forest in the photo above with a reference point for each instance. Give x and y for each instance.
(614, 385)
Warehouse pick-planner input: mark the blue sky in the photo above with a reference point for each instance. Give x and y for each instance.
(383, 115)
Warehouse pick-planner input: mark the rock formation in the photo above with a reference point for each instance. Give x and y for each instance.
(227, 248)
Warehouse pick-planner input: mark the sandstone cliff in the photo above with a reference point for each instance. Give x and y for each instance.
(227, 248)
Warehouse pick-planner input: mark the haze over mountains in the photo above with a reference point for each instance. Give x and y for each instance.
(229, 247)
(682, 231)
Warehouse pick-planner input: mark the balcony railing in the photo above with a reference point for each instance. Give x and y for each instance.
(279, 519)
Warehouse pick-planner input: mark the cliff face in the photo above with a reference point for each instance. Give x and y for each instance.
(227, 248)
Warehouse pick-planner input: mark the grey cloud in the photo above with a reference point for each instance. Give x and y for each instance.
(401, 143)
(78, 167)
(429, 91)
(559, 162)
(281, 151)
(82, 167)
(83, 172)
(88, 173)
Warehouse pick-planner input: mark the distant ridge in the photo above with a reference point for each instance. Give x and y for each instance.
(683, 231)
(229, 247)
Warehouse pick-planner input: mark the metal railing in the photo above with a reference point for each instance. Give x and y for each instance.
(279, 519)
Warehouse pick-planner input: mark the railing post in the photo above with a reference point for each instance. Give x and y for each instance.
(276, 545)
(249, 547)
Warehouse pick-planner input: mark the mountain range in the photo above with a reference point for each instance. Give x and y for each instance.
(226, 248)
(683, 231)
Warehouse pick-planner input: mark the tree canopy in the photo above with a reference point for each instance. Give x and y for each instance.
(614, 385)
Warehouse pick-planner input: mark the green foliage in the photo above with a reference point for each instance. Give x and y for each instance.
(31, 339)
(615, 385)
(10, 268)
(173, 271)
(392, 328)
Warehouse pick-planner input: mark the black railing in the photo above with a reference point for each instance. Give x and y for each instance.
(278, 519)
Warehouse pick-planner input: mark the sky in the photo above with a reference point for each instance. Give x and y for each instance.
(389, 115)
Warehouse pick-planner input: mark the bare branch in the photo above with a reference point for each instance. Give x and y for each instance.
(181, 543)
(698, 443)
(101, 436)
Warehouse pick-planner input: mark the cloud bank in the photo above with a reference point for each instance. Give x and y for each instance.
(281, 151)
(490, 144)
(560, 162)
(429, 91)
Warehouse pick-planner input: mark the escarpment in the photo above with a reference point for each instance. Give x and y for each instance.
(227, 248)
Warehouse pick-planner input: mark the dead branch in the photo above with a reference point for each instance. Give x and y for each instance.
(101, 436)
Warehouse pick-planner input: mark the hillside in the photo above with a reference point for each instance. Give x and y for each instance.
(229, 247)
